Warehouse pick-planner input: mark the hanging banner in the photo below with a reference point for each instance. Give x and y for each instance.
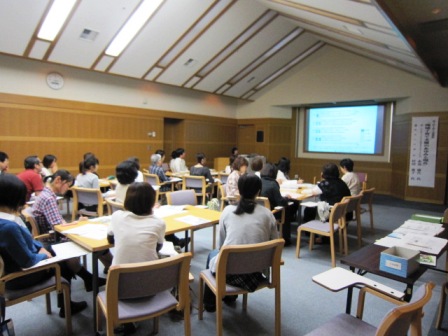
(422, 164)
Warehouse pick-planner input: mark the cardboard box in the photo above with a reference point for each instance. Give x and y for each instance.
(399, 261)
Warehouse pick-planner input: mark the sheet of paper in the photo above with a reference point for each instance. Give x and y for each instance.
(175, 179)
(92, 231)
(168, 249)
(168, 210)
(387, 242)
(45, 262)
(100, 220)
(426, 244)
(69, 250)
(293, 194)
(193, 220)
(309, 204)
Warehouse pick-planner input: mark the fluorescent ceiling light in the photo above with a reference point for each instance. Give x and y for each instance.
(132, 26)
(55, 18)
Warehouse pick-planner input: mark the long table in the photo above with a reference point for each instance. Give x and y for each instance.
(97, 247)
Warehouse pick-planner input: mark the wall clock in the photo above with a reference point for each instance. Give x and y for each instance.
(55, 80)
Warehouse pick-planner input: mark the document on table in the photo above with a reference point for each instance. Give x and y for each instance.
(168, 210)
(426, 244)
(293, 194)
(193, 220)
(309, 204)
(175, 179)
(63, 251)
(91, 231)
(100, 220)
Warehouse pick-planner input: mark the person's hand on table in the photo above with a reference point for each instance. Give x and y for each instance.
(44, 251)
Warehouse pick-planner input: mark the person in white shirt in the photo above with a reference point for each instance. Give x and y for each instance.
(349, 177)
(126, 173)
(178, 165)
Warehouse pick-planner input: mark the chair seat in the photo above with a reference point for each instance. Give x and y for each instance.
(230, 290)
(135, 308)
(318, 225)
(13, 294)
(344, 324)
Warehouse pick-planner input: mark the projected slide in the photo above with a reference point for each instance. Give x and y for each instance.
(354, 129)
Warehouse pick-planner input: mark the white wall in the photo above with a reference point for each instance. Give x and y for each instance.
(333, 75)
(18, 76)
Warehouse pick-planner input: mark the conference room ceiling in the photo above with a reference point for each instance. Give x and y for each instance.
(232, 47)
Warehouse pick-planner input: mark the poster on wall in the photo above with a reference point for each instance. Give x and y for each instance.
(422, 163)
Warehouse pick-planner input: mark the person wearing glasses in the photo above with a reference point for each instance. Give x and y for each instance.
(46, 212)
(32, 176)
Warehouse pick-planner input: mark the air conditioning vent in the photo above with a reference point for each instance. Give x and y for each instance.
(88, 35)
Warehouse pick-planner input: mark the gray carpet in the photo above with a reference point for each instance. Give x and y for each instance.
(305, 305)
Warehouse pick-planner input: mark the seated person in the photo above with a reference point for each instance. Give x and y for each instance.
(257, 165)
(126, 173)
(178, 165)
(136, 161)
(88, 178)
(349, 177)
(228, 168)
(50, 165)
(47, 215)
(32, 176)
(239, 168)
(244, 223)
(199, 169)
(137, 234)
(284, 166)
(4, 163)
(18, 248)
(156, 169)
(271, 189)
(331, 190)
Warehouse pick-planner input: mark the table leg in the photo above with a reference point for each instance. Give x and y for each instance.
(95, 257)
(408, 293)
(186, 239)
(348, 305)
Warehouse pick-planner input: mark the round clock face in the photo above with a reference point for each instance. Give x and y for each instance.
(55, 80)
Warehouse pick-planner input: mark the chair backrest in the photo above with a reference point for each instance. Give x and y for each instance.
(354, 202)
(140, 280)
(181, 197)
(249, 258)
(367, 196)
(165, 167)
(36, 230)
(87, 195)
(337, 214)
(399, 319)
(152, 179)
(223, 177)
(264, 201)
(445, 216)
(196, 182)
(362, 177)
(113, 206)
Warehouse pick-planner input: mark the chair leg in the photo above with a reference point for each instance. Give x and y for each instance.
(99, 326)
(201, 298)
(48, 303)
(341, 243)
(371, 218)
(299, 234)
(67, 307)
(245, 302)
(333, 253)
(155, 326)
(358, 228)
(311, 244)
(187, 320)
(218, 316)
(442, 304)
(192, 241)
(214, 237)
(278, 313)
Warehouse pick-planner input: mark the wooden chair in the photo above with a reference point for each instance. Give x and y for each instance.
(187, 197)
(280, 221)
(87, 196)
(327, 229)
(153, 179)
(223, 198)
(367, 198)
(354, 205)
(129, 299)
(196, 183)
(362, 180)
(445, 216)
(113, 206)
(442, 304)
(406, 316)
(223, 177)
(243, 259)
(113, 184)
(35, 230)
(55, 283)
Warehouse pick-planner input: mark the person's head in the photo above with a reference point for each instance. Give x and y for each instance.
(181, 153)
(269, 170)
(231, 160)
(174, 154)
(140, 198)
(201, 159)
(156, 160)
(136, 161)
(4, 161)
(60, 181)
(249, 186)
(240, 164)
(90, 164)
(256, 164)
(330, 171)
(161, 152)
(284, 165)
(49, 161)
(88, 154)
(126, 172)
(33, 162)
(12, 193)
(234, 151)
(347, 165)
